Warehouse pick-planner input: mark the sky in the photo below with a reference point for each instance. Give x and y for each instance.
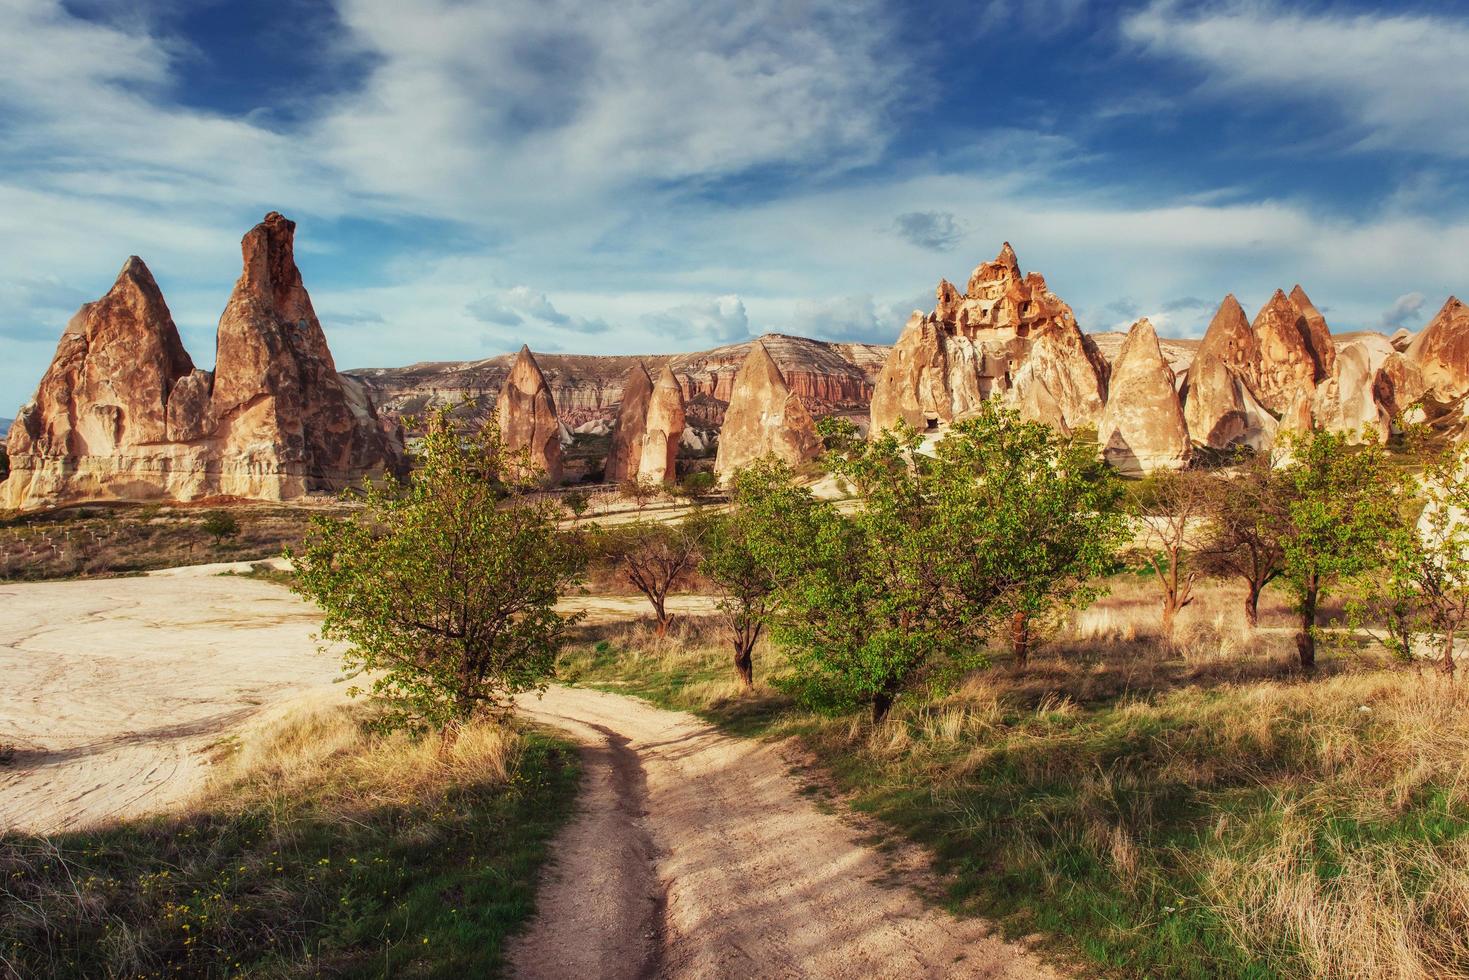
(648, 176)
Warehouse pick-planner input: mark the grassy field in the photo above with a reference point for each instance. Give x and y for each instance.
(325, 850)
(1187, 810)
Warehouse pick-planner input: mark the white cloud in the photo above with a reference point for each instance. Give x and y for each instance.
(1397, 80)
(722, 320)
(1405, 308)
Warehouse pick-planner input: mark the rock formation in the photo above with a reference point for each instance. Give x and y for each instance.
(1398, 386)
(1347, 400)
(1287, 362)
(829, 378)
(1441, 352)
(764, 418)
(528, 420)
(663, 430)
(650, 429)
(1318, 335)
(1142, 426)
(1220, 407)
(122, 413)
(1005, 336)
(626, 452)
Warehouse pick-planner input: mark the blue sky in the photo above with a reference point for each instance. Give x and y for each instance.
(630, 177)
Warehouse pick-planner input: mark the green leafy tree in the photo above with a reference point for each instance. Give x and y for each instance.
(697, 485)
(1006, 522)
(220, 524)
(640, 492)
(1427, 590)
(733, 562)
(1034, 518)
(577, 503)
(1343, 513)
(444, 588)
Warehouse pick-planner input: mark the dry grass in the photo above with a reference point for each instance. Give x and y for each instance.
(320, 849)
(1195, 808)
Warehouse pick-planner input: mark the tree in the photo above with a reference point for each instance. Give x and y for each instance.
(1036, 516)
(1007, 518)
(577, 503)
(445, 587)
(732, 561)
(1343, 511)
(220, 524)
(1245, 527)
(1170, 523)
(640, 492)
(1428, 584)
(696, 486)
(654, 558)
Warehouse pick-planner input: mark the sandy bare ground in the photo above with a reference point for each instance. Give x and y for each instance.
(696, 854)
(114, 689)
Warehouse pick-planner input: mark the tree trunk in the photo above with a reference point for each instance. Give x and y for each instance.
(882, 701)
(1252, 606)
(744, 662)
(1306, 638)
(662, 616)
(1170, 612)
(1020, 637)
(1446, 665)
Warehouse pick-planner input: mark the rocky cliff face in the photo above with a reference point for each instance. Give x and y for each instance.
(663, 430)
(1142, 427)
(626, 452)
(1005, 336)
(1220, 407)
(528, 420)
(829, 378)
(122, 413)
(764, 418)
(1441, 352)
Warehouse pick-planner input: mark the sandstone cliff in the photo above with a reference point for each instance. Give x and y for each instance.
(830, 379)
(1142, 427)
(626, 452)
(663, 430)
(764, 418)
(528, 422)
(1005, 336)
(122, 413)
(1220, 407)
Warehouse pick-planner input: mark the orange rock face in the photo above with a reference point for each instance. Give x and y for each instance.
(1142, 427)
(1287, 363)
(528, 418)
(1441, 352)
(1219, 404)
(123, 414)
(626, 452)
(662, 430)
(764, 418)
(1347, 400)
(1006, 336)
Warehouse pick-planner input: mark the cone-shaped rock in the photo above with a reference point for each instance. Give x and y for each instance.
(123, 414)
(1142, 427)
(626, 452)
(764, 418)
(1441, 351)
(103, 402)
(291, 422)
(1318, 334)
(1346, 402)
(663, 430)
(528, 418)
(1005, 336)
(1287, 364)
(1219, 407)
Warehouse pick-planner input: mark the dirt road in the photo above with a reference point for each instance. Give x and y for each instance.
(696, 854)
